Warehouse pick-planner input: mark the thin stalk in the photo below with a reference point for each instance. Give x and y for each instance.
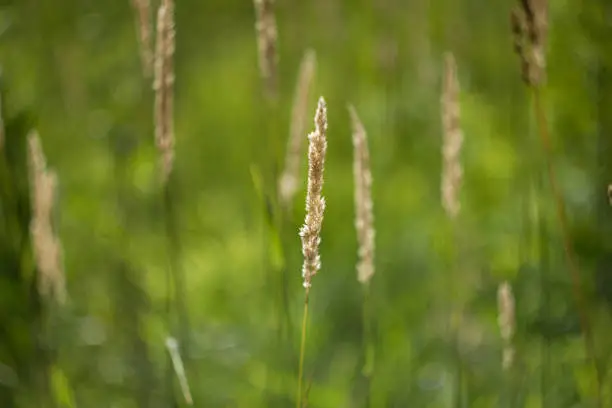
(545, 304)
(170, 288)
(284, 288)
(175, 271)
(176, 295)
(46, 358)
(130, 298)
(298, 401)
(567, 244)
(368, 341)
(456, 314)
(367, 331)
(279, 271)
(461, 382)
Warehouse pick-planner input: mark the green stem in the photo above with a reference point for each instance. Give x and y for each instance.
(176, 276)
(298, 401)
(368, 343)
(455, 306)
(545, 304)
(460, 383)
(567, 244)
(176, 306)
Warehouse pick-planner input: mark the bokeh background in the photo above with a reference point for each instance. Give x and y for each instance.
(72, 70)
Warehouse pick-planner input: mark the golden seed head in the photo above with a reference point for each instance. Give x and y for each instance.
(310, 233)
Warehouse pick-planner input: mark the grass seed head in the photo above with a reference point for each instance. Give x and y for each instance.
(46, 245)
(288, 182)
(310, 232)
(364, 218)
(452, 172)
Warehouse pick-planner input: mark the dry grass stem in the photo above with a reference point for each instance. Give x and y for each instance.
(452, 172)
(142, 10)
(364, 216)
(266, 44)
(529, 21)
(164, 86)
(288, 182)
(310, 233)
(46, 245)
(506, 321)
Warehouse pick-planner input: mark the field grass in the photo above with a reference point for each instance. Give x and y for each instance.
(161, 237)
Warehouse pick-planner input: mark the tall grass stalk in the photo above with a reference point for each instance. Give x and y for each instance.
(452, 175)
(310, 233)
(364, 226)
(529, 26)
(48, 259)
(165, 139)
(287, 182)
(269, 153)
(568, 249)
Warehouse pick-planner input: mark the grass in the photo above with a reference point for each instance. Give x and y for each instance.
(380, 367)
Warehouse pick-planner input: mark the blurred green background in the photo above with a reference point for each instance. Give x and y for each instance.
(72, 70)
